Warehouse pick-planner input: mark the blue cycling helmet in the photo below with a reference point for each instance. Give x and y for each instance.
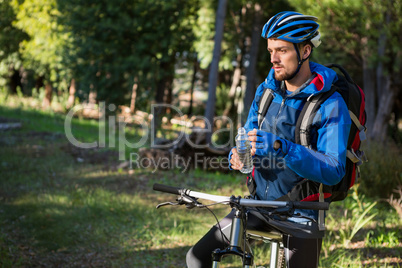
(292, 27)
(295, 28)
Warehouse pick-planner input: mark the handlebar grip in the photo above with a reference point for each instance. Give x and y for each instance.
(311, 205)
(166, 189)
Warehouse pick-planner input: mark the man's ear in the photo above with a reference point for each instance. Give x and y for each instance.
(306, 51)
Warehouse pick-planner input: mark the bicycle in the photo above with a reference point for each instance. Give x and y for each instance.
(276, 213)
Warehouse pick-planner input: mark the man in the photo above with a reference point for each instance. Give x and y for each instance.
(291, 38)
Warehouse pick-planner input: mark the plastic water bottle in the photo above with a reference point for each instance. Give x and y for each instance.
(243, 147)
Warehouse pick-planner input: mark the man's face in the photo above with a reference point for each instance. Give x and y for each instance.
(283, 58)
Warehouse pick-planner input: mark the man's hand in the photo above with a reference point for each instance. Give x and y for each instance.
(235, 162)
(262, 142)
(252, 137)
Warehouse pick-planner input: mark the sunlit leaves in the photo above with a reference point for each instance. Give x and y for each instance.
(43, 51)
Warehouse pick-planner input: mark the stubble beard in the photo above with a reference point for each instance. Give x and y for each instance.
(282, 77)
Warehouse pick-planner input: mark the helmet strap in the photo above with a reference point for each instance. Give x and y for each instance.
(299, 61)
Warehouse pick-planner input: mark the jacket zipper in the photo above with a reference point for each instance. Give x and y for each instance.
(279, 112)
(275, 124)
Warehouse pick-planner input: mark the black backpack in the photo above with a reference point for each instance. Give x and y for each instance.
(353, 96)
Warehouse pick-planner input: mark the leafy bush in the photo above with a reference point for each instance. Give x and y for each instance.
(382, 173)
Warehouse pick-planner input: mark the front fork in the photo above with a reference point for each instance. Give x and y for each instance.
(236, 243)
(274, 255)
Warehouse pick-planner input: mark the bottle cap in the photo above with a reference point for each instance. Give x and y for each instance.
(241, 130)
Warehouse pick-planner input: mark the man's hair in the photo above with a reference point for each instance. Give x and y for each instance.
(305, 43)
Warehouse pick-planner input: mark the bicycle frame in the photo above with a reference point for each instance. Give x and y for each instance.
(238, 237)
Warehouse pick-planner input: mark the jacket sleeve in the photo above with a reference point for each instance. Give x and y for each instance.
(326, 164)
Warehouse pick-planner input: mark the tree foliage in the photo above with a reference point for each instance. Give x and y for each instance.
(44, 49)
(111, 48)
(10, 39)
(10, 36)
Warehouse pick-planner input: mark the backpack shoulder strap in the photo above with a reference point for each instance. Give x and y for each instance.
(305, 120)
(360, 127)
(265, 102)
(342, 70)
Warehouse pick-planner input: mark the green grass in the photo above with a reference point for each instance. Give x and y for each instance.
(58, 211)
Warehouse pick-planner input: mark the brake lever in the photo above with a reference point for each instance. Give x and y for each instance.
(189, 201)
(167, 204)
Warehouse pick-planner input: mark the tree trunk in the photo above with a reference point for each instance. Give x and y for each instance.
(193, 80)
(15, 81)
(386, 103)
(134, 95)
(370, 94)
(163, 90)
(235, 84)
(164, 85)
(382, 43)
(39, 82)
(251, 69)
(168, 93)
(387, 83)
(48, 96)
(236, 80)
(369, 86)
(214, 68)
(382, 46)
(92, 97)
(71, 97)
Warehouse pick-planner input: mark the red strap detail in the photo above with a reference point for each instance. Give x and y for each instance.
(362, 117)
(356, 141)
(318, 81)
(315, 197)
(353, 179)
(252, 176)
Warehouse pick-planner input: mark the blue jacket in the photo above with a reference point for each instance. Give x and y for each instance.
(325, 161)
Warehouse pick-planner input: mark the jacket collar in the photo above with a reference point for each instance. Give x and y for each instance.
(323, 81)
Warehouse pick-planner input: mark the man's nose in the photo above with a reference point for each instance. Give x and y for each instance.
(274, 57)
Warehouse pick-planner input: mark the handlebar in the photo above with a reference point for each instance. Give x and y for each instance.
(241, 201)
(166, 189)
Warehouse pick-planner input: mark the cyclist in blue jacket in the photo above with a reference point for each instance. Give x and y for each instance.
(291, 38)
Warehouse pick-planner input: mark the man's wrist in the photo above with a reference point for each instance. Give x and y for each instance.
(280, 148)
(277, 145)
